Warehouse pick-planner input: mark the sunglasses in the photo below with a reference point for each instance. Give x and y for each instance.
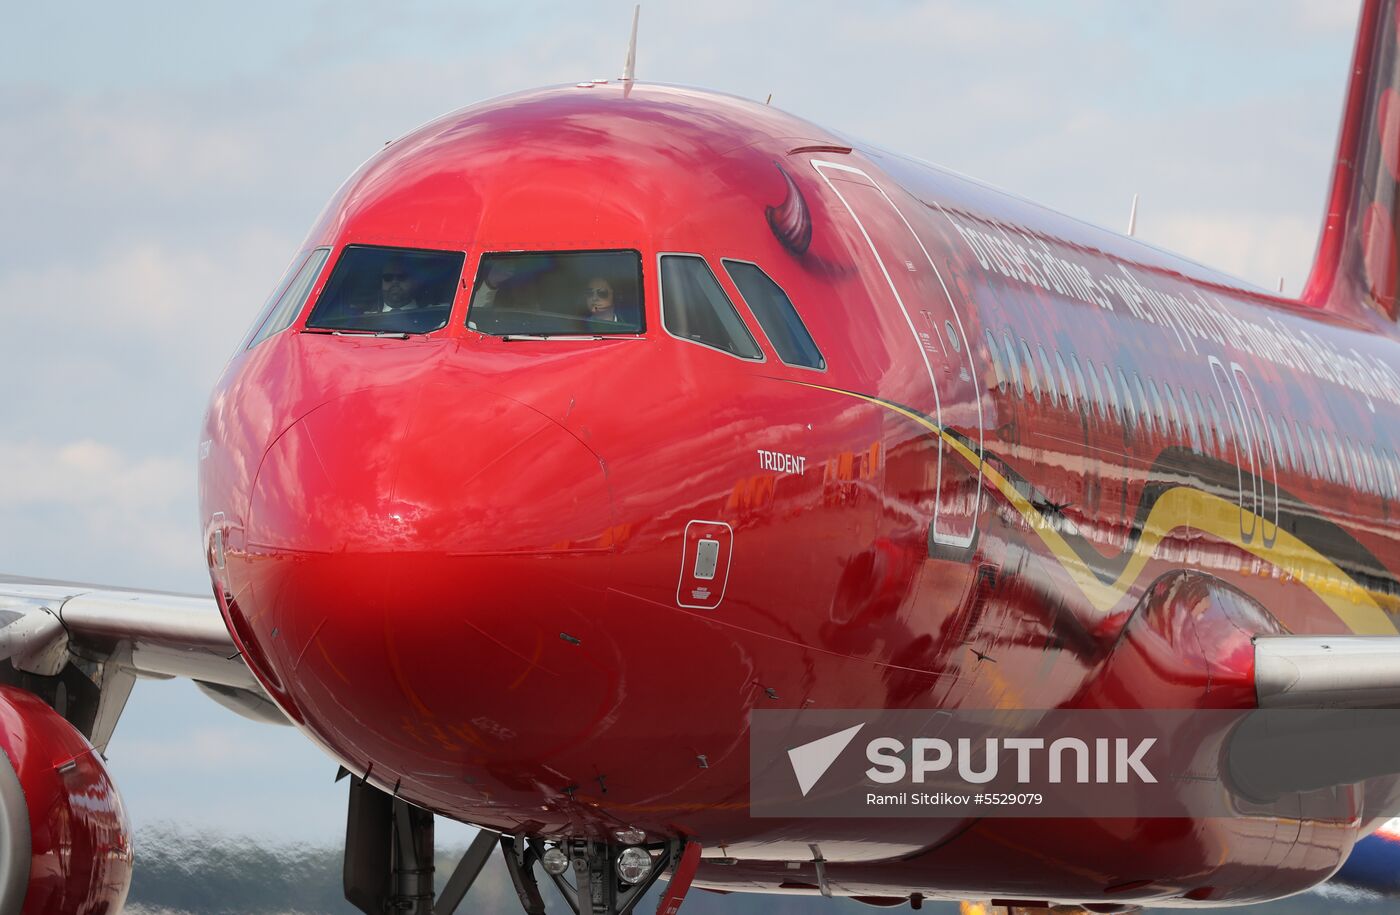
(600, 293)
(394, 277)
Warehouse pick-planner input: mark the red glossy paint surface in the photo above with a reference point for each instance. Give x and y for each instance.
(79, 832)
(460, 562)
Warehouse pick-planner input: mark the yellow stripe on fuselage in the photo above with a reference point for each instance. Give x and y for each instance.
(1176, 508)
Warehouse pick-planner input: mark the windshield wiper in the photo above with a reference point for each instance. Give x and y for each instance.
(510, 337)
(388, 334)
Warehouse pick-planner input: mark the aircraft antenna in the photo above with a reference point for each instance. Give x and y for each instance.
(629, 67)
(1280, 285)
(769, 100)
(1132, 217)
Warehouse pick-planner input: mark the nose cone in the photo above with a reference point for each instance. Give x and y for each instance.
(412, 561)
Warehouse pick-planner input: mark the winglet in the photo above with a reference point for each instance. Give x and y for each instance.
(629, 68)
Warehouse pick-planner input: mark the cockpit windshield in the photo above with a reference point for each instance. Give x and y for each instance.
(557, 293)
(388, 290)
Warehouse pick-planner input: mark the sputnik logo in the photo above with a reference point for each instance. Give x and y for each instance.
(811, 760)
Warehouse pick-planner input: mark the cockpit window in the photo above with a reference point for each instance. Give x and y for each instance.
(557, 294)
(695, 308)
(281, 310)
(776, 315)
(388, 290)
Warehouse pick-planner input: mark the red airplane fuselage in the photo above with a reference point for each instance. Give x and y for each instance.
(464, 563)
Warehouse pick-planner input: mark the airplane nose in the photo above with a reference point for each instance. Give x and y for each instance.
(431, 473)
(416, 564)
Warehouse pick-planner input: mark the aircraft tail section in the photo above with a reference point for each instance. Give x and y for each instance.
(1355, 270)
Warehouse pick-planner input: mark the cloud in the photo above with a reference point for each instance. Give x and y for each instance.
(212, 750)
(1242, 243)
(1332, 15)
(87, 474)
(85, 510)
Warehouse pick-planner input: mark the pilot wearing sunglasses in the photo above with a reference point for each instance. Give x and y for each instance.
(599, 300)
(396, 288)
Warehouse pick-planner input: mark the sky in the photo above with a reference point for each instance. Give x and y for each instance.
(160, 162)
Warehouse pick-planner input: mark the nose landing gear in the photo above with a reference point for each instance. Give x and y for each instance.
(608, 879)
(389, 853)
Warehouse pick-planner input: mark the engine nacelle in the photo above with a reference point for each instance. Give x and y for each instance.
(65, 841)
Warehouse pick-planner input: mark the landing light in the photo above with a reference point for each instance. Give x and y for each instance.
(554, 861)
(633, 865)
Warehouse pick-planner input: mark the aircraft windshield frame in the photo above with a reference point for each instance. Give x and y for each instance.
(558, 293)
(388, 290)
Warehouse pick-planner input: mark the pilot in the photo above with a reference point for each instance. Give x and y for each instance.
(599, 300)
(396, 288)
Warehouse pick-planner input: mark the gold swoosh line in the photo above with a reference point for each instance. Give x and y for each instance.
(1177, 507)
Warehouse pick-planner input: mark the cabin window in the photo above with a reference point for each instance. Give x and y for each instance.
(1064, 381)
(995, 358)
(1267, 447)
(1358, 469)
(1098, 393)
(557, 294)
(1159, 413)
(776, 315)
(694, 308)
(1079, 384)
(1383, 477)
(1245, 439)
(1178, 432)
(1329, 458)
(1222, 447)
(1191, 419)
(1200, 434)
(1113, 407)
(1144, 409)
(1028, 362)
(1013, 368)
(1286, 453)
(1130, 410)
(1295, 455)
(1319, 459)
(1269, 443)
(388, 291)
(1051, 384)
(1330, 453)
(1304, 451)
(283, 309)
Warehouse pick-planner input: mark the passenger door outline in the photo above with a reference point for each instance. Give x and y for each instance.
(923, 342)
